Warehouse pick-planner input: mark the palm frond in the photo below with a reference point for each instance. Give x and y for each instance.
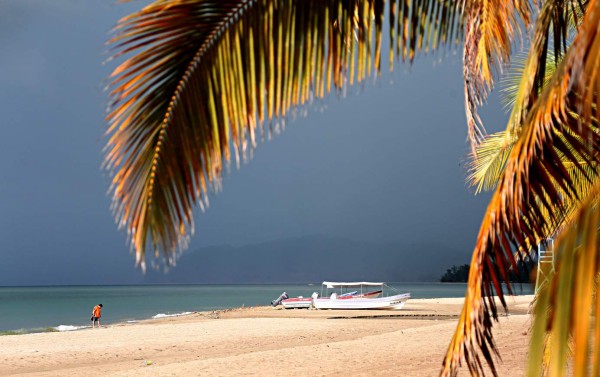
(522, 86)
(551, 26)
(509, 84)
(200, 78)
(487, 165)
(486, 170)
(513, 217)
(576, 15)
(573, 12)
(583, 177)
(564, 313)
(491, 28)
(519, 94)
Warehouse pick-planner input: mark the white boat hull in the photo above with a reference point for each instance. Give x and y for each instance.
(297, 303)
(395, 302)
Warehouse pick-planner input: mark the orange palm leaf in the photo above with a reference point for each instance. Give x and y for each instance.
(514, 216)
(201, 78)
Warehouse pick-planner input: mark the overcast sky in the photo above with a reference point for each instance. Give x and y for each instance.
(385, 164)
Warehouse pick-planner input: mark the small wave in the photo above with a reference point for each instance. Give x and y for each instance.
(28, 331)
(161, 315)
(62, 328)
(14, 332)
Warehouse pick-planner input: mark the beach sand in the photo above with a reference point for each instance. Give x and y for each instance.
(264, 341)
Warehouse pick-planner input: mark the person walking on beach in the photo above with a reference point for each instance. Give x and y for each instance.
(96, 314)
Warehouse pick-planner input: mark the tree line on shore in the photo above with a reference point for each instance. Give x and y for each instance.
(460, 274)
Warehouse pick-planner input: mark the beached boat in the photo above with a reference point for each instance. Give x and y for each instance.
(330, 292)
(297, 302)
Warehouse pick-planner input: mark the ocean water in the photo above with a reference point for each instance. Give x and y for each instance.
(64, 308)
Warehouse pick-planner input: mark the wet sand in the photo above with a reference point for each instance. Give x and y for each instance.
(265, 341)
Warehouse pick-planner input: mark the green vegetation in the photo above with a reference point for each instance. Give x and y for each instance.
(460, 274)
(456, 274)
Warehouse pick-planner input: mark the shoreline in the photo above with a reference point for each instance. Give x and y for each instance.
(403, 313)
(68, 308)
(121, 318)
(264, 340)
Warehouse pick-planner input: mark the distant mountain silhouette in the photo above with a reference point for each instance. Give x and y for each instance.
(311, 259)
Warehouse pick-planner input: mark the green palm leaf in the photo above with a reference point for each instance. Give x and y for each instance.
(509, 84)
(487, 164)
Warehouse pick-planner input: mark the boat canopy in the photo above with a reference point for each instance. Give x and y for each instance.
(333, 284)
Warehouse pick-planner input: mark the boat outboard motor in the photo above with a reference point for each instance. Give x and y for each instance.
(279, 299)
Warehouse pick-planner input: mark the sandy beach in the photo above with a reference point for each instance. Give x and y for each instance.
(267, 341)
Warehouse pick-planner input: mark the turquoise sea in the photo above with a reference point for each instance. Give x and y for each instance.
(65, 308)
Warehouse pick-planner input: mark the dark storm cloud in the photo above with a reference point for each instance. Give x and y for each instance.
(383, 165)
(12, 18)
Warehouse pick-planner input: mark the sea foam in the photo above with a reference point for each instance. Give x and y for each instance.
(161, 315)
(69, 328)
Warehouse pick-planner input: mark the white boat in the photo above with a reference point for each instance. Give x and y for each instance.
(297, 302)
(328, 300)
